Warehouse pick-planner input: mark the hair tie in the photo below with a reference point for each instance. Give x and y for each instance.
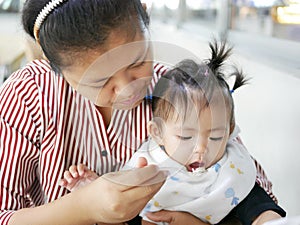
(231, 91)
(148, 97)
(206, 73)
(42, 16)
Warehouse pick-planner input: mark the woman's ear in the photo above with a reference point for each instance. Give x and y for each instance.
(155, 132)
(232, 125)
(144, 6)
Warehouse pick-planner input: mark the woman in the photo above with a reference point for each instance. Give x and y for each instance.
(83, 105)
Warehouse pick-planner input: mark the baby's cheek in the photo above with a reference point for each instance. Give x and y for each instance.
(216, 153)
(182, 156)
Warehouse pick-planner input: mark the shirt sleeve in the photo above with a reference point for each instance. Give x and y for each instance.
(263, 181)
(19, 146)
(261, 177)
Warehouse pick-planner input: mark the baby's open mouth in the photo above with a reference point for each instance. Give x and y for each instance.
(196, 167)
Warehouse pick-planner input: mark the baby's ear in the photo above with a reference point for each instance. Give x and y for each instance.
(155, 132)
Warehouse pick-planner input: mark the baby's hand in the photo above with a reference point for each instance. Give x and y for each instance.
(77, 176)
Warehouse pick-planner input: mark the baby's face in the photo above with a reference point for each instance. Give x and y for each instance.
(199, 140)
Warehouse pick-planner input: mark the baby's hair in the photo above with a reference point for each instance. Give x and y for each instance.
(219, 54)
(189, 80)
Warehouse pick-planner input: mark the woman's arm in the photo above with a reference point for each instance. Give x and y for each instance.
(67, 210)
(122, 196)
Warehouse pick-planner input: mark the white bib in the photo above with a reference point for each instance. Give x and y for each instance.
(210, 195)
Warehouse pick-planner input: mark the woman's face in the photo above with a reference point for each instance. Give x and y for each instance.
(117, 78)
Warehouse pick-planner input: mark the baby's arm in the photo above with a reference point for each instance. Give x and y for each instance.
(266, 216)
(77, 176)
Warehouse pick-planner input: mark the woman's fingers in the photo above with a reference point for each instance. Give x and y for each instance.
(137, 186)
(124, 193)
(145, 222)
(143, 191)
(137, 177)
(175, 218)
(160, 216)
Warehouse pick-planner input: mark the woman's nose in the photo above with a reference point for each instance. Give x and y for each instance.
(124, 84)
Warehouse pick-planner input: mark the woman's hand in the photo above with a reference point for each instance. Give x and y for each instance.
(77, 176)
(111, 198)
(175, 218)
(120, 196)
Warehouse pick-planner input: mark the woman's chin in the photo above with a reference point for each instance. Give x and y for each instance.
(127, 106)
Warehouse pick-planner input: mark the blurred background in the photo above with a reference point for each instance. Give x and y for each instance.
(266, 39)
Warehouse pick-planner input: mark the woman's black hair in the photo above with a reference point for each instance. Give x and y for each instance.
(78, 25)
(206, 77)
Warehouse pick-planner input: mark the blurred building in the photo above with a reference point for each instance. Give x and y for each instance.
(280, 19)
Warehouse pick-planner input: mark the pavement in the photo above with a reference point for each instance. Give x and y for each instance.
(267, 110)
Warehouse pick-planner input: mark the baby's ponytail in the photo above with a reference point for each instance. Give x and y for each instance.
(219, 54)
(240, 79)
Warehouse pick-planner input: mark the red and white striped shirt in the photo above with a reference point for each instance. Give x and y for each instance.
(46, 126)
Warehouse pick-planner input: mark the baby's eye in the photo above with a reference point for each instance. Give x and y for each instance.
(216, 138)
(184, 137)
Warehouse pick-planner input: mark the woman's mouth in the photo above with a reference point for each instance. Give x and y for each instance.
(131, 101)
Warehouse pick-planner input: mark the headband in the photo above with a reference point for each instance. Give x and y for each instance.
(42, 16)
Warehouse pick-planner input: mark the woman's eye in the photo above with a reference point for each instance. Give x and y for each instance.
(216, 138)
(184, 137)
(138, 64)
